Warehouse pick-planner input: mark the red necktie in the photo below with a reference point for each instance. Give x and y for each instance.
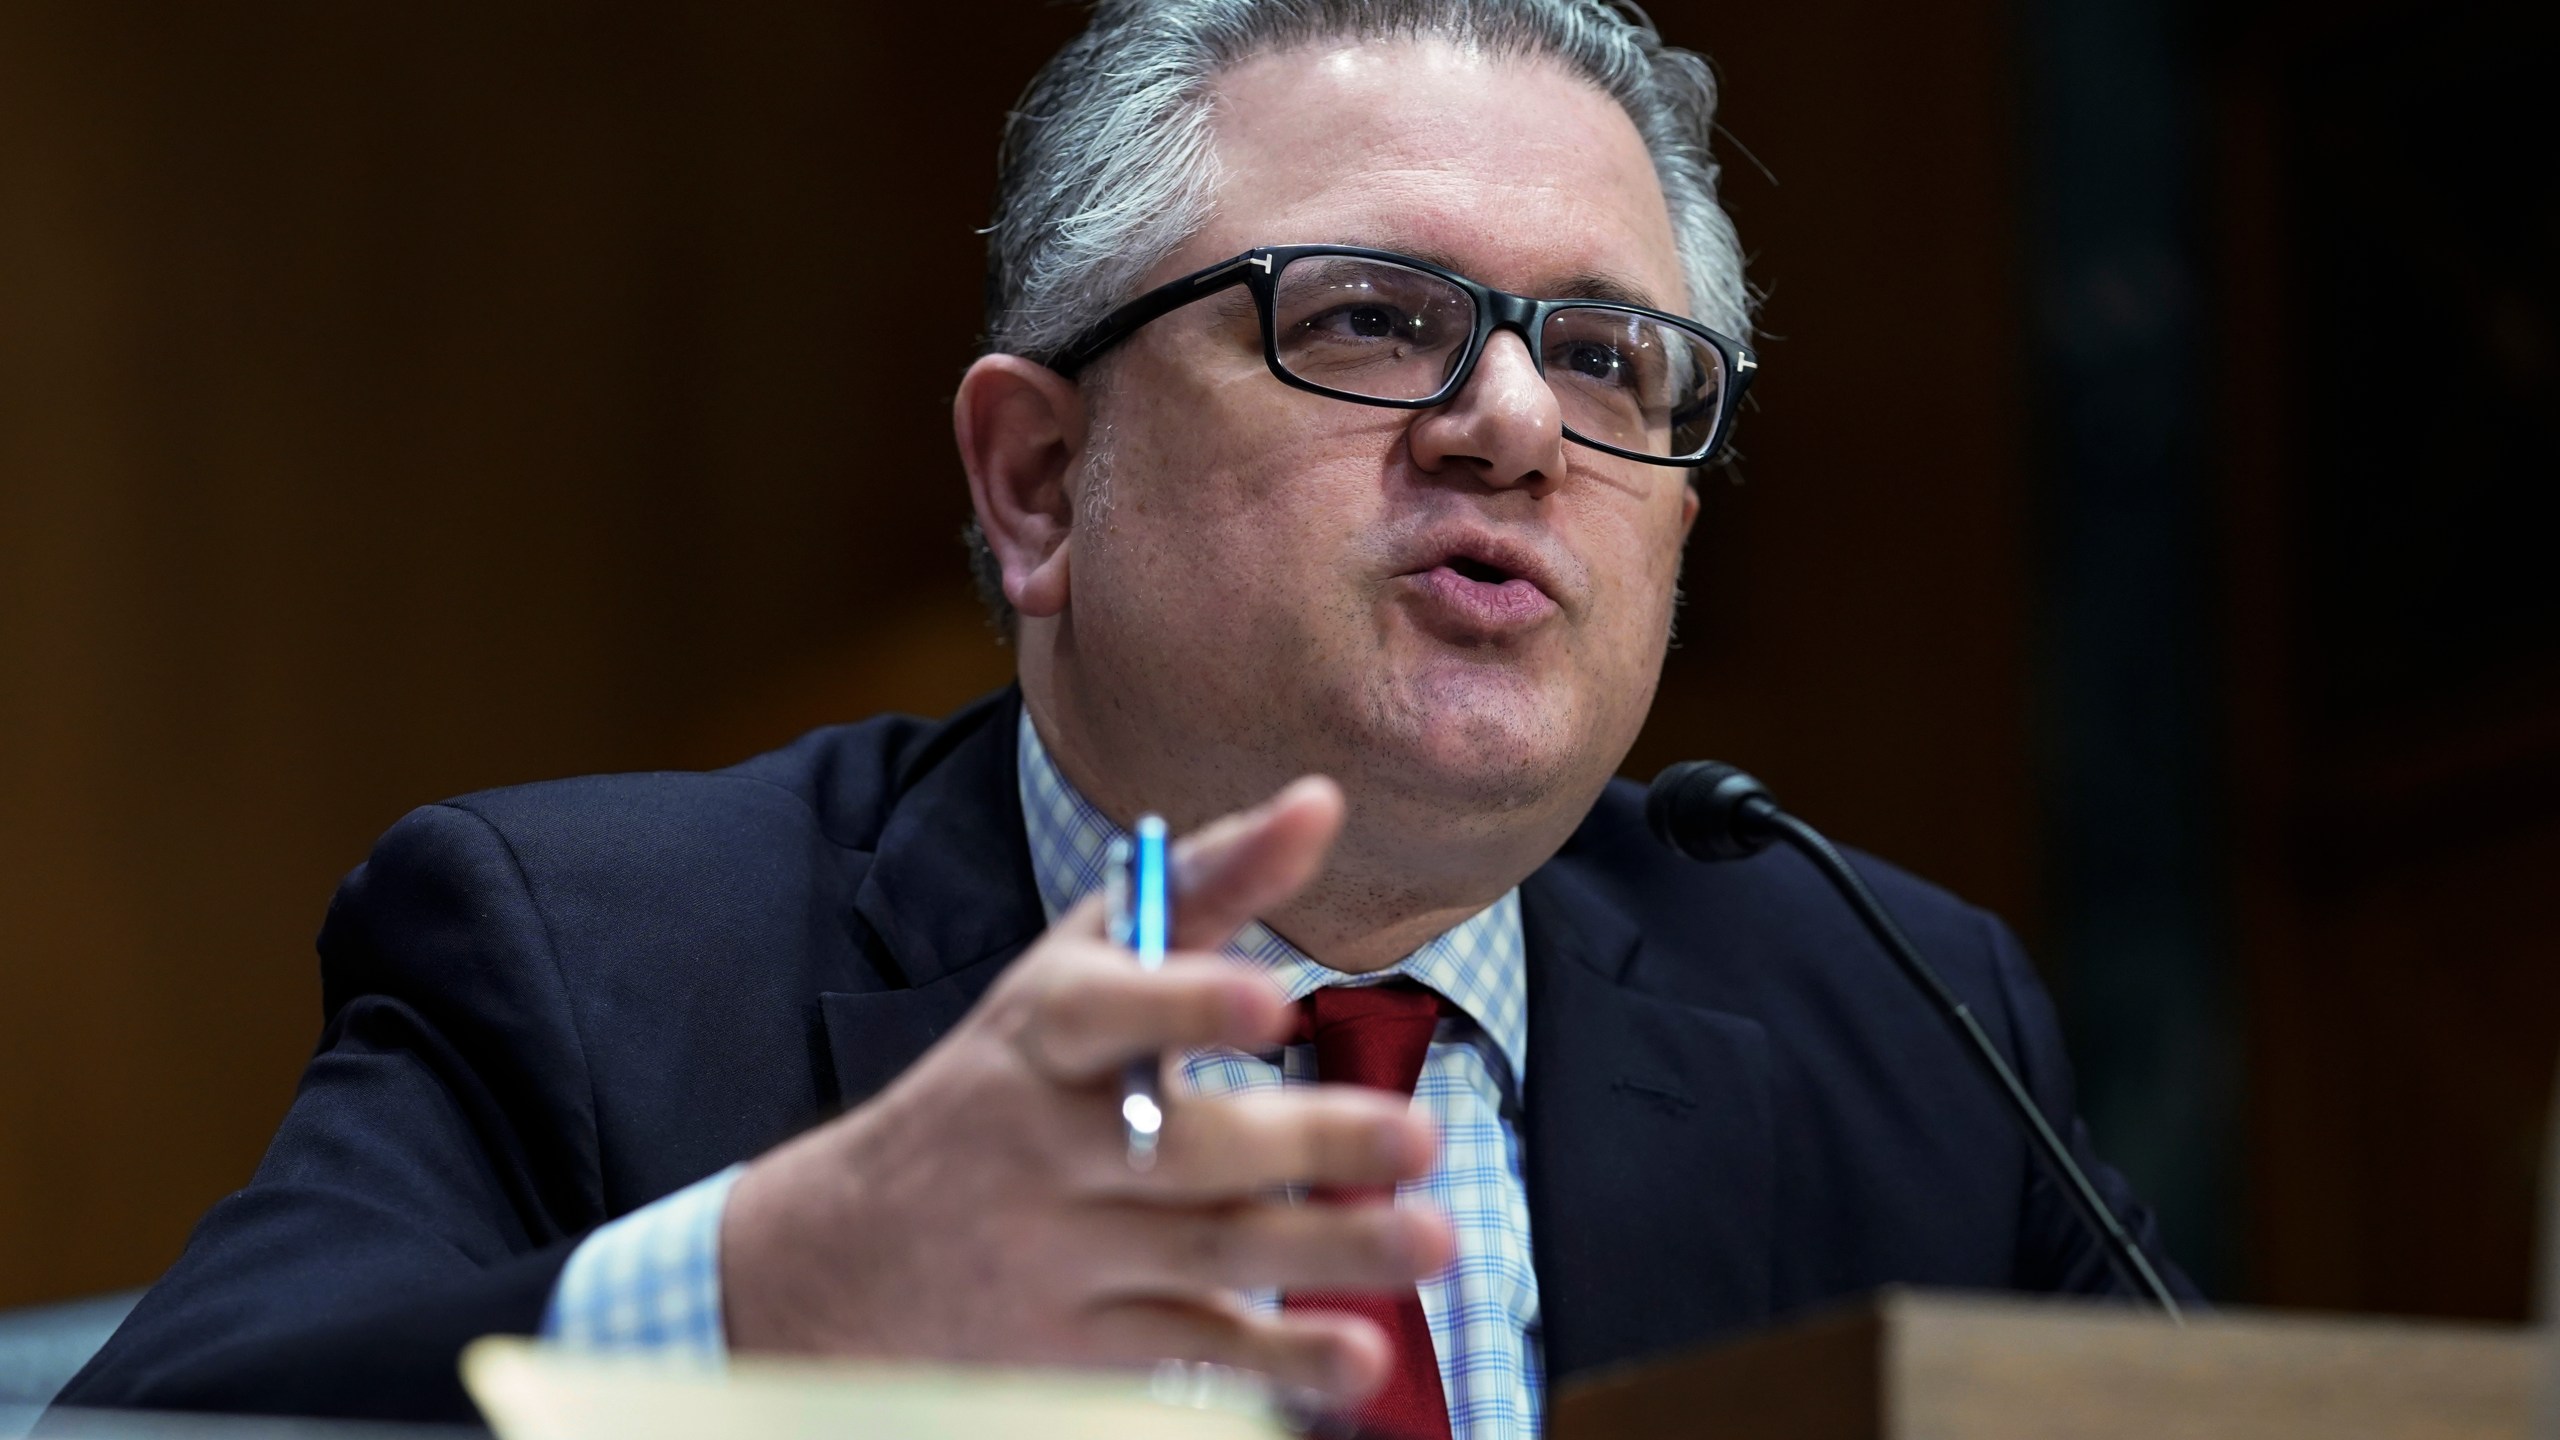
(1377, 1035)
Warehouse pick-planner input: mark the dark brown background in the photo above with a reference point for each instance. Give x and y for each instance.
(402, 400)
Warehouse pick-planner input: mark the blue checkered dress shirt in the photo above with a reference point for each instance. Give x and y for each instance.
(651, 1279)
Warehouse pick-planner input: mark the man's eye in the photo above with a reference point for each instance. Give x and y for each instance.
(1373, 321)
(1368, 321)
(1596, 362)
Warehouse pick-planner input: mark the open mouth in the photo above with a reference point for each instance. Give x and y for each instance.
(1472, 598)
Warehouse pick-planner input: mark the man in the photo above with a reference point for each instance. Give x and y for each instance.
(1326, 531)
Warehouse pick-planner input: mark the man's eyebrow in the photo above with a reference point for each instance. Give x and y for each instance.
(1583, 285)
(1590, 286)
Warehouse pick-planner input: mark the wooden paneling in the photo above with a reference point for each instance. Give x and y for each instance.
(396, 401)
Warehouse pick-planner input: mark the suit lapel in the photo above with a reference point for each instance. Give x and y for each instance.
(1647, 1143)
(949, 897)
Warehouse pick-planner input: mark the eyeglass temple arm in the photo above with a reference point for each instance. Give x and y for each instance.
(1115, 327)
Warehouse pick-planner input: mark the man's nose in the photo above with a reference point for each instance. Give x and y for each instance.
(1503, 424)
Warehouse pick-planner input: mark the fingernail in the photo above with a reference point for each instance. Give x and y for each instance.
(1430, 1245)
(1409, 1242)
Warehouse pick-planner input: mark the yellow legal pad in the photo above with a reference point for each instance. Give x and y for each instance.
(531, 1391)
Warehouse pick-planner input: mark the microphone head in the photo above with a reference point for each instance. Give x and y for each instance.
(1708, 810)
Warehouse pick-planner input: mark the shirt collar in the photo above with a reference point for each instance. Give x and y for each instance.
(1477, 964)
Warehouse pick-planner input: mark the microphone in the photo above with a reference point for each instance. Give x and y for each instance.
(1712, 811)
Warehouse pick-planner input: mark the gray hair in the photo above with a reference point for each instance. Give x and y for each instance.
(1106, 166)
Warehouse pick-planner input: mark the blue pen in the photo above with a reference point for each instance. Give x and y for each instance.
(1146, 916)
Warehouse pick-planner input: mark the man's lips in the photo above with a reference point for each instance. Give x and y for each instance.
(1473, 583)
(1465, 597)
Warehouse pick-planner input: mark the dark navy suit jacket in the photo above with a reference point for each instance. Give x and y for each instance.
(547, 1006)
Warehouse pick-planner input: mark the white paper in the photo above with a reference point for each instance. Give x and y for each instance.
(538, 1392)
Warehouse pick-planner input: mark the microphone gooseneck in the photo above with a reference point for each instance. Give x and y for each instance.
(1711, 811)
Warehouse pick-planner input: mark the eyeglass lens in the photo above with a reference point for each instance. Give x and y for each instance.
(1384, 331)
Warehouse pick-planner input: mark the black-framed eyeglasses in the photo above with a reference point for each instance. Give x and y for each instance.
(1379, 328)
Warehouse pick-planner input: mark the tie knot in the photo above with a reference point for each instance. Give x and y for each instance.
(1373, 1035)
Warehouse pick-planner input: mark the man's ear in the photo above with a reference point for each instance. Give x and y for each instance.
(1020, 426)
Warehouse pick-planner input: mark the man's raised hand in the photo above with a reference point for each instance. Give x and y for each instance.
(981, 1207)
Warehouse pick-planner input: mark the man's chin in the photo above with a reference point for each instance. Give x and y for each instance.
(1480, 744)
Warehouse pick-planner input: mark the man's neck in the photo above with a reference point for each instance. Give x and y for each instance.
(1371, 906)
(1355, 943)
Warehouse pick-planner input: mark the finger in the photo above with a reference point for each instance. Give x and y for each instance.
(1096, 1012)
(1369, 1248)
(1342, 1357)
(1087, 919)
(1236, 868)
(1229, 1147)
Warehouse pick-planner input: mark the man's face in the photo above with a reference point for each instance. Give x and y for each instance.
(1452, 611)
